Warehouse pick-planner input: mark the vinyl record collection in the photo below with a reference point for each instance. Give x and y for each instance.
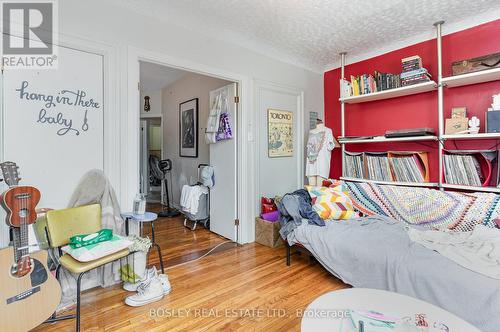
(354, 166)
(407, 169)
(387, 166)
(378, 167)
(475, 168)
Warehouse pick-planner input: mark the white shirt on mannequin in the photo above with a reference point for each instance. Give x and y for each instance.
(319, 149)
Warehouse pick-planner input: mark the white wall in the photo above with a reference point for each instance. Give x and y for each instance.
(116, 31)
(185, 170)
(155, 102)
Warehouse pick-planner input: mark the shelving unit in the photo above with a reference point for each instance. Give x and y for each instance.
(442, 82)
(470, 188)
(392, 93)
(385, 139)
(471, 136)
(393, 183)
(472, 78)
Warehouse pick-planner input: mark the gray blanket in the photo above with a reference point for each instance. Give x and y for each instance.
(376, 252)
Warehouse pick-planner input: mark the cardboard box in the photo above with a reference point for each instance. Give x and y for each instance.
(267, 233)
(456, 125)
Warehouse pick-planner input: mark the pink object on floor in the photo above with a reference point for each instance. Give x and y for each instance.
(271, 216)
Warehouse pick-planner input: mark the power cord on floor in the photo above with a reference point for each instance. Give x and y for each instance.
(202, 256)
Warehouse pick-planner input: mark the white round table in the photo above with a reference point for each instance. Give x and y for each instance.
(325, 313)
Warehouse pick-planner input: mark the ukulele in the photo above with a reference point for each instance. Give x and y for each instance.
(29, 293)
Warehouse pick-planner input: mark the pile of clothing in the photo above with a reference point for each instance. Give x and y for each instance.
(294, 208)
(190, 197)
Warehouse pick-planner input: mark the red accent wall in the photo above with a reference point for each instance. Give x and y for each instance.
(374, 118)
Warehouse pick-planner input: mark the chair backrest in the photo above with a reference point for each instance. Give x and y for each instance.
(63, 224)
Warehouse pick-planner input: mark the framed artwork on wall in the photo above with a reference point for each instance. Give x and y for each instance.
(279, 133)
(188, 128)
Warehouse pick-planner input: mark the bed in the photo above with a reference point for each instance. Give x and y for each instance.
(376, 252)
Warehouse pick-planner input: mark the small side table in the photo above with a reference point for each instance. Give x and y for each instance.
(141, 219)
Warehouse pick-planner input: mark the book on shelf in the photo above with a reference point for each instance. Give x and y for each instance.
(471, 167)
(412, 72)
(393, 166)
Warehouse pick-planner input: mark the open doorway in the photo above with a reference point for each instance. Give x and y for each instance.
(175, 105)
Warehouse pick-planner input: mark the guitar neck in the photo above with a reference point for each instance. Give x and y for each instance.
(20, 242)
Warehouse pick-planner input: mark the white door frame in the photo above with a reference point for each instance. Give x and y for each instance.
(131, 126)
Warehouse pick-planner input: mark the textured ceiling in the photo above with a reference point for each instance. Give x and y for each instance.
(310, 33)
(156, 77)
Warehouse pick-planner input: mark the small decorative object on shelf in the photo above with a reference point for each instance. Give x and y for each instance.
(458, 112)
(456, 126)
(476, 64)
(474, 123)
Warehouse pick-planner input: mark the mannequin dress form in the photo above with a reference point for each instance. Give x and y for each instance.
(319, 149)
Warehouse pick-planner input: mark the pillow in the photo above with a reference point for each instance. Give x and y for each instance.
(339, 185)
(331, 203)
(98, 250)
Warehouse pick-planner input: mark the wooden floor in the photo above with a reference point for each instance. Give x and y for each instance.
(179, 244)
(241, 288)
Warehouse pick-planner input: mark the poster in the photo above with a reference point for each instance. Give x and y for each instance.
(188, 128)
(280, 133)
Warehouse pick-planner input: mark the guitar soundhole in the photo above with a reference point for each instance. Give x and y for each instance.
(23, 213)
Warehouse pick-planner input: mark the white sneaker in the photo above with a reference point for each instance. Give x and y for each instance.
(148, 275)
(147, 292)
(167, 288)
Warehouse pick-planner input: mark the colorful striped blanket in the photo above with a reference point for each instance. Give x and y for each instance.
(430, 208)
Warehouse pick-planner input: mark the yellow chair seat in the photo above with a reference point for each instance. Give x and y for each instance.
(75, 266)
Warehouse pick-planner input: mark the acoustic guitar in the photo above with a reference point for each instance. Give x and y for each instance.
(29, 293)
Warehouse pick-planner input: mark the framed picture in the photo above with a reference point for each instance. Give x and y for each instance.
(279, 133)
(188, 128)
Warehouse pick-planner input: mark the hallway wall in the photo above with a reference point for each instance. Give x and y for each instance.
(185, 169)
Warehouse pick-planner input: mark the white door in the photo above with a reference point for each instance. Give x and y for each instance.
(144, 166)
(279, 175)
(223, 157)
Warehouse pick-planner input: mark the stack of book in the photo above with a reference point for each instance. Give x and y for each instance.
(412, 71)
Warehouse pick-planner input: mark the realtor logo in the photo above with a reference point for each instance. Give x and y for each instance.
(29, 34)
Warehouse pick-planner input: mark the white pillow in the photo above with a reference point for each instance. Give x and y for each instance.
(98, 250)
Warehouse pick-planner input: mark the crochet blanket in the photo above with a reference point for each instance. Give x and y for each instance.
(429, 208)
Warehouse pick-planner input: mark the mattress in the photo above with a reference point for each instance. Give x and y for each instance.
(376, 252)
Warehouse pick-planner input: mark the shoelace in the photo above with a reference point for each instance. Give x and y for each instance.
(141, 289)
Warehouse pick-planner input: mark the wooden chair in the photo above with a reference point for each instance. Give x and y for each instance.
(63, 224)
